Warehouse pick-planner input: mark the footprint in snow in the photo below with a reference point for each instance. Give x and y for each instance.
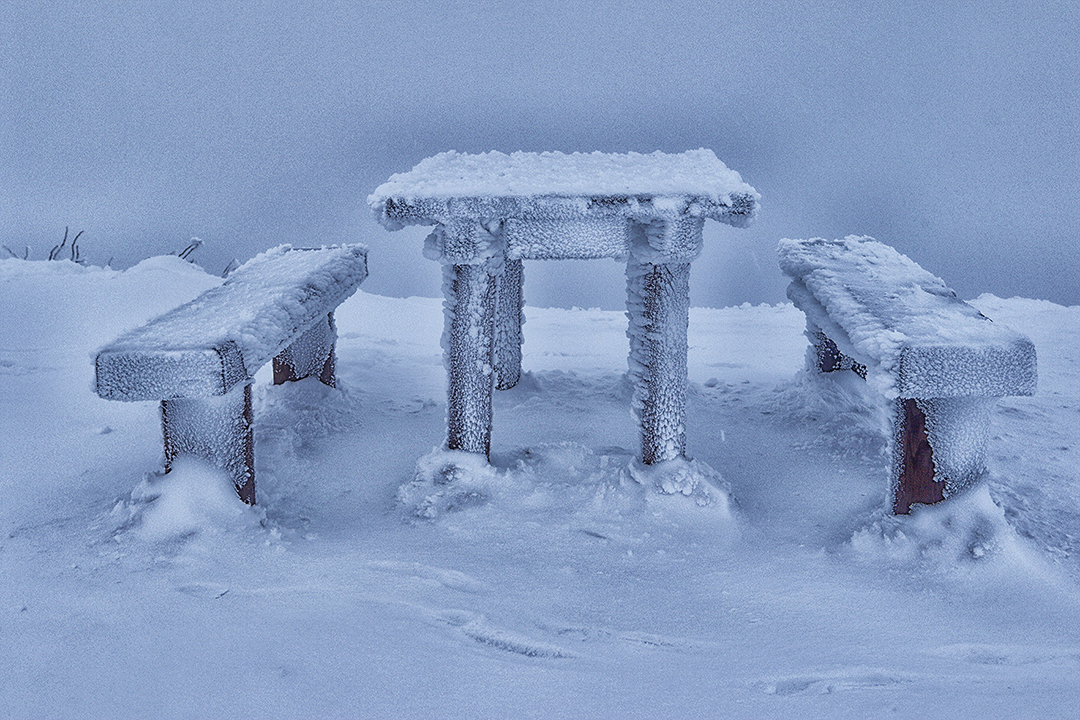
(453, 579)
(1007, 655)
(475, 627)
(844, 680)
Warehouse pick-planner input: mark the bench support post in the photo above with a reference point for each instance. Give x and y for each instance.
(216, 429)
(508, 321)
(469, 306)
(913, 460)
(658, 307)
(939, 449)
(311, 354)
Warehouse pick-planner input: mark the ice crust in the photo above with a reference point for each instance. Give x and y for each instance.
(916, 338)
(222, 337)
(565, 187)
(657, 309)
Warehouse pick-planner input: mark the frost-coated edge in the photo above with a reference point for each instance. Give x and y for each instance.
(204, 347)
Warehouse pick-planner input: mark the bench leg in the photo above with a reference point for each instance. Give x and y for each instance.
(469, 306)
(658, 306)
(913, 460)
(216, 429)
(828, 357)
(311, 354)
(940, 448)
(508, 321)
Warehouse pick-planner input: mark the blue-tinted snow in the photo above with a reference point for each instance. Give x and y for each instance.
(912, 332)
(226, 334)
(570, 590)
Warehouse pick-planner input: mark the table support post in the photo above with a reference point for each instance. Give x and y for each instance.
(508, 321)
(469, 305)
(217, 429)
(658, 307)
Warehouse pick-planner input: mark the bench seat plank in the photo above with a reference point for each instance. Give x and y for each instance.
(205, 347)
(915, 336)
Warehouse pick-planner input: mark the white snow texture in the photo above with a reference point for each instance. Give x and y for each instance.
(539, 192)
(222, 337)
(915, 337)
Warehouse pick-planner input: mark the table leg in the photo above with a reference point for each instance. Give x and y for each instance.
(469, 339)
(508, 321)
(658, 306)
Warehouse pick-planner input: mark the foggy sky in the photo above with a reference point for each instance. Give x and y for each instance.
(948, 130)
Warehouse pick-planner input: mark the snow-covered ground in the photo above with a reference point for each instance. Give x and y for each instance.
(560, 587)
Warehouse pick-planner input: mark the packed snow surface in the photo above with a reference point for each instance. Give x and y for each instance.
(559, 581)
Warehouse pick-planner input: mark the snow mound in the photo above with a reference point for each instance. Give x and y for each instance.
(565, 480)
(447, 481)
(689, 478)
(967, 530)
(192, 499)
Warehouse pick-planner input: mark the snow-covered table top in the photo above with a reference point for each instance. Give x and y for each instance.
(554, 185)
(557, 206)
(888, 313)
(204, 347)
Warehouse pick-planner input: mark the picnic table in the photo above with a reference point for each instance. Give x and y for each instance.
(492, 211)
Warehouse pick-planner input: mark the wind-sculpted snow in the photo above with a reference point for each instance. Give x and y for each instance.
(567, 476)
(566, 587)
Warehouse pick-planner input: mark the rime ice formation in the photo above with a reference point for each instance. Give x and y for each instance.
(887, 313)
(199, 359)
(539, 192)
(222, 337)
(491, 211)
(942, 363)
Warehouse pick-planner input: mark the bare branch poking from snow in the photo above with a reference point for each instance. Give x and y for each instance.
(185, 254)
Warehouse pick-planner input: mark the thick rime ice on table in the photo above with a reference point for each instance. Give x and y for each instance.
(468, 344)
(658, 311)
(556, 186)
(914, 335)
(233, 329)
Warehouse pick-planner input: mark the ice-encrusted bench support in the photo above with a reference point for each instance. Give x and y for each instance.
(217, 429)
(873, 311)
(492, 211)
(310, 355)
(199, 359)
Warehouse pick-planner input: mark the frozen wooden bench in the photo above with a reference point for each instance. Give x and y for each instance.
(199, 359)
(492, 211)
(943, 364)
